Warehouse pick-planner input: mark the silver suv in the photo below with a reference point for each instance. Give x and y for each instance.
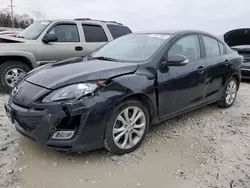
(51, 40)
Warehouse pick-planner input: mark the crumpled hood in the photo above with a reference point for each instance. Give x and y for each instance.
(77, 70)
(237, 37)
(12, 44)
(8, 39)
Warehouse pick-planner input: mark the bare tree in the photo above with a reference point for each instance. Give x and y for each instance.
(39, 15)
(21, 21)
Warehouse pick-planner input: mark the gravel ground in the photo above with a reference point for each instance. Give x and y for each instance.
(209, 147)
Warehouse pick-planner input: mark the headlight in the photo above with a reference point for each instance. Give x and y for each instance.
(71, 92)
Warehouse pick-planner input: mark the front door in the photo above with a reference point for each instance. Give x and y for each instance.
(180, 88)
(67, 46)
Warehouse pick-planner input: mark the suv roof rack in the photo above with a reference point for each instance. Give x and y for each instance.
(86, 19)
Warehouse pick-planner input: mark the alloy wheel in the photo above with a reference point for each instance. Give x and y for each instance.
(129, 127)
(231, 92)
(13, 76)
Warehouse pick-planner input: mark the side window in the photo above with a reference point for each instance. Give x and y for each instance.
(212, 47)
(221, 48)
(94, 33)
(66, 33)
(188, 46)
(118, 30)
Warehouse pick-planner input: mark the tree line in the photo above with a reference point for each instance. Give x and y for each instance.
(20, 21)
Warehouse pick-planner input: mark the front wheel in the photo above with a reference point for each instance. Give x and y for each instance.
(127, 127)
(10, 73)
(229, 94)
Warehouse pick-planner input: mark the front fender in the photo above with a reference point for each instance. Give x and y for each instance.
(127, 86)
(27, 55)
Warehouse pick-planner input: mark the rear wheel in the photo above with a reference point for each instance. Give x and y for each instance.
(10, 73)
(229, 94)
(127, 127)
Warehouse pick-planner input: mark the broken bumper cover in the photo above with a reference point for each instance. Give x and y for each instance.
(86, 120)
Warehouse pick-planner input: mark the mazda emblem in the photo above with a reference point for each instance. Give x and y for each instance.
(15, 90)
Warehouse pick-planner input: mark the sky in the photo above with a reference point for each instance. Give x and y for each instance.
(215, 16)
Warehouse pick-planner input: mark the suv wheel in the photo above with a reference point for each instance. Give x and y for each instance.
(127, 127)
(10, 73)
(229, 94)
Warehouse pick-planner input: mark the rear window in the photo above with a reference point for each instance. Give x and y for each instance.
(118, 30)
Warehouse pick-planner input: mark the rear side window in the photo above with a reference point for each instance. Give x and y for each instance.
(221, 48)
(94, 33)
(66, 33)
(212, 47)
(118, 30)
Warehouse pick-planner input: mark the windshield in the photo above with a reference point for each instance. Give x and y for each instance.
(33, 31)
(132, 47)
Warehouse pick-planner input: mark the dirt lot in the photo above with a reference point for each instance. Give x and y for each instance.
(209, 147)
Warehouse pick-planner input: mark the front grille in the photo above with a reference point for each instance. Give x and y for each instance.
(28, 123)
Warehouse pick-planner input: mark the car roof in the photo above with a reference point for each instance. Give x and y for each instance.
(174, 32)
(83, 20)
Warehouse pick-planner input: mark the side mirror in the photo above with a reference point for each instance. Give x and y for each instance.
(50, 38)
(175, 60)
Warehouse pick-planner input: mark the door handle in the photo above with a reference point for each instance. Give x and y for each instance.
(226, 62)
(78, 48)
(201, 70)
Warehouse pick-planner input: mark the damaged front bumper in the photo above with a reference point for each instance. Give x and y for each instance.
(69, 126)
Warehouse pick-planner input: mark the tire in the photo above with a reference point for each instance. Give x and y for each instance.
(5, 68)
(109, 141)
(223, 102)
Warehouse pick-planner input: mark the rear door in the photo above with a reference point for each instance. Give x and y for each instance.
(95, 37)
(218, 67)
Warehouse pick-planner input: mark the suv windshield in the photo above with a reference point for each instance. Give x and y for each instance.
(132, 47)
(33, 31)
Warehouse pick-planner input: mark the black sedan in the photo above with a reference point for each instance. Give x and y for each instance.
(111, 97)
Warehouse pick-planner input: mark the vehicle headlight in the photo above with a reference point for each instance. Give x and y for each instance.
(75, 91)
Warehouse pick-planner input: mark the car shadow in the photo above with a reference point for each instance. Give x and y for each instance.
(42, 153)
(177, 123)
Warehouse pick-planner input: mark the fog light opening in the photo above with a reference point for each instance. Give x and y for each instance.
(63, 135)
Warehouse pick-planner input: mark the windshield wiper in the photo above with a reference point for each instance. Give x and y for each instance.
(104, 58)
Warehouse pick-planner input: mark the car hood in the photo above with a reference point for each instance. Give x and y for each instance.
(237, 37)
(77, 70)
